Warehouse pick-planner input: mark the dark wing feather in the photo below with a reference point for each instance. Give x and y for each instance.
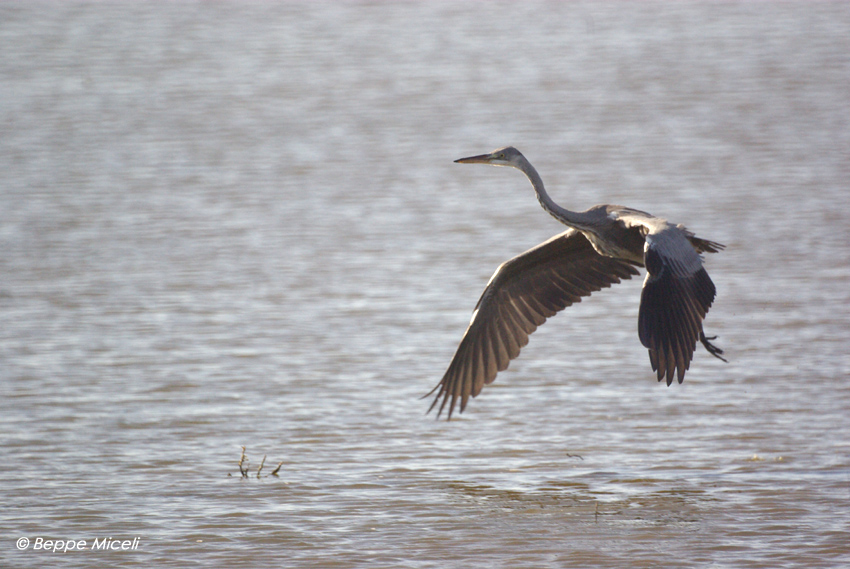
(521, 295)
(676, 297)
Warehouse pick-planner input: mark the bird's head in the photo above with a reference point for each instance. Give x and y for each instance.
(507, 156)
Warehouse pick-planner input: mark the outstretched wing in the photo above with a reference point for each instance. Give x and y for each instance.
(676, 296)
(521, 295)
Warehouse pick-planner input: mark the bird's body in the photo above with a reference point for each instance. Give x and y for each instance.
(603, 245)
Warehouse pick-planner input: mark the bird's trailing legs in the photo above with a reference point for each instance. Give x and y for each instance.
(712, 349)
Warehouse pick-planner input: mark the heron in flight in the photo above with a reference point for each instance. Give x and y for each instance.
(602, 245)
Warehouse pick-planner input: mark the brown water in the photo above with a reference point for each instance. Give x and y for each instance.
(226, 225)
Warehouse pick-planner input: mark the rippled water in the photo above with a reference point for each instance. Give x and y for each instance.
(227, 225)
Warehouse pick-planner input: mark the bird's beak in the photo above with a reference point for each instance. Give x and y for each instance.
(480, 159)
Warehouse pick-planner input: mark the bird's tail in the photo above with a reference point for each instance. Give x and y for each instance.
(706, 246)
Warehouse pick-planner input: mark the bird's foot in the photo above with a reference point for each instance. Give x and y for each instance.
(712, 349)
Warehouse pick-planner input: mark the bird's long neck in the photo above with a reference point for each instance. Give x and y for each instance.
(576, 219)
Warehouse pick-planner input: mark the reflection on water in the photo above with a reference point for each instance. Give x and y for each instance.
(227, 227)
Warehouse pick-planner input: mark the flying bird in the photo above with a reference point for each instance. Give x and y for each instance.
(602, 246)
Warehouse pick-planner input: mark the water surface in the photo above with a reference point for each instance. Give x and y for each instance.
(227, 225)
